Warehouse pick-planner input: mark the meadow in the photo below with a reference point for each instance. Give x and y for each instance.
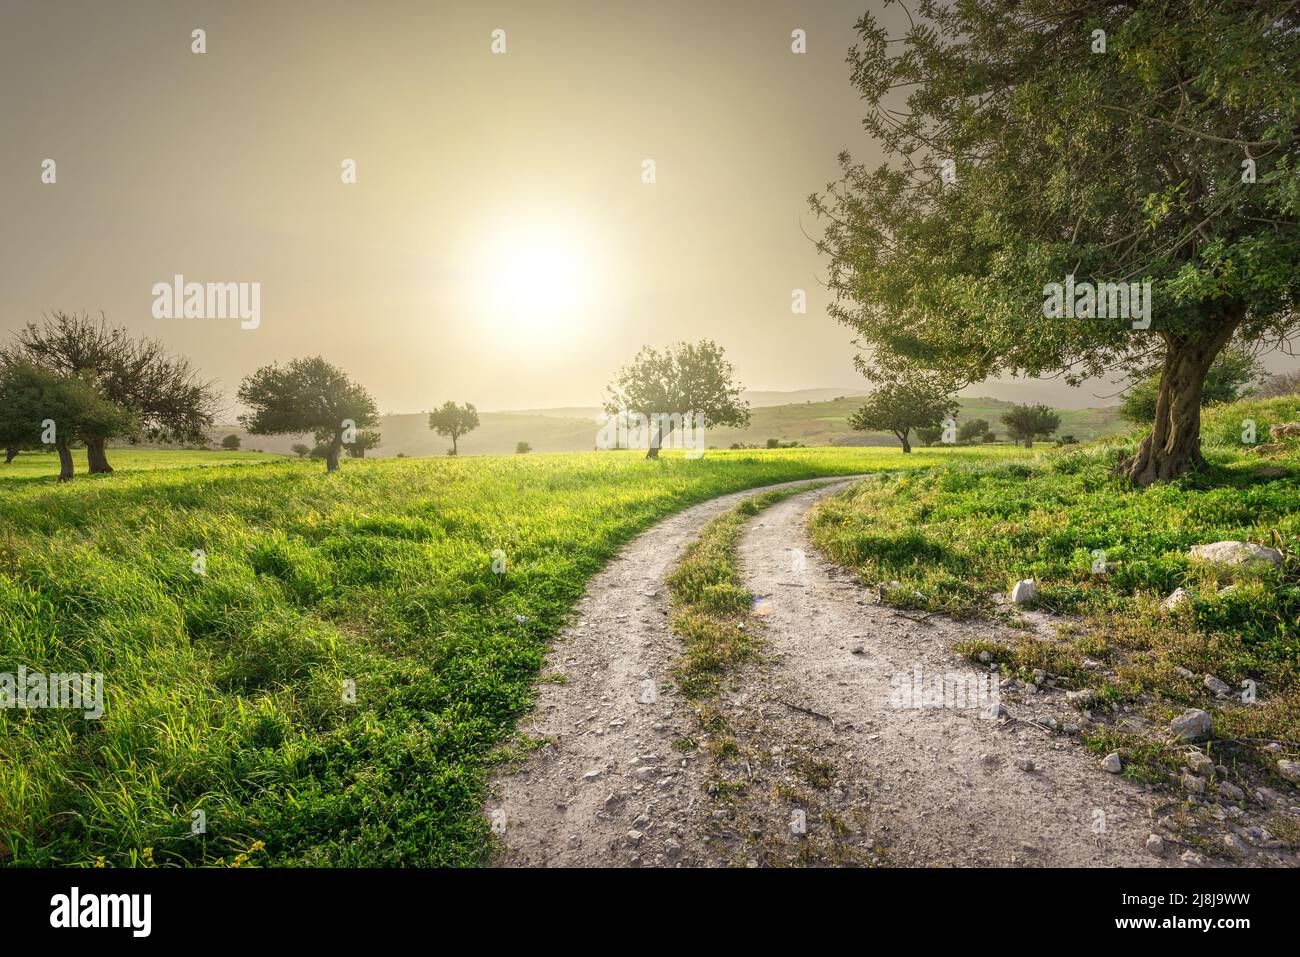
(947, 539)
(335, 686)
(45, 465)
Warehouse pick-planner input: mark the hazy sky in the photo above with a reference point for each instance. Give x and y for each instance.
(499, 245)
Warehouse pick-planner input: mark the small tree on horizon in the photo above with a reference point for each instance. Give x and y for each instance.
(307, 395)
(231, 443)
(684, 379)
(301, 449)
(1028, 422)
(453, 421)
(973, 430)
(914, 402)
(366, 440)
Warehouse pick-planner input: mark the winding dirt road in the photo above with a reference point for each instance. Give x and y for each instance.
(819, 755)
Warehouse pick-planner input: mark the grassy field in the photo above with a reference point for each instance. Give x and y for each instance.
(951, 536)
(36, 465)
(226, 691)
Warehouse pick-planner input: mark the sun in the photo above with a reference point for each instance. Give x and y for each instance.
(538, 280)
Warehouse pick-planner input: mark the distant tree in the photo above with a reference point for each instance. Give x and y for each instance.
(989, 436)
(37, 403)
(521, 448)
(907, 403)
(231, 443)
(1283, 383)
(301, 450)
(453, 421)
(973, 430)
(160, 392)
(367, 439)
(930, 434)
(1028, 422)
(1228, 379)
(307, 395)
(682, 380)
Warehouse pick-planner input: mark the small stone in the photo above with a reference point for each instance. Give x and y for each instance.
(634, 838)
(985, 657)
(1289, 770)
(1072, 729)
(988, 760)
(1216, 686)
(1191, 857)
(1046, 721)
(673, 849)
(1040, 676)
(642, 823)
(1231, 791)
(1025, 764)
(1199, 764)
(1177, 599)
(1193, 784)
(1185, 672)
(1112, 763)
(1233, 843)
(1155, 844)
(1031, 688)
(859, 650)
(592, 775)
(1081, 699)
(1192, 725)
(1024, 591)
(613, 801)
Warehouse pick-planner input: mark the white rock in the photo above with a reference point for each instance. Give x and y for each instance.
(1024, 590)
(1025, 764)
(1112, 763)
(1236, 553)
(1289, 770)
(1192, 725)
(1155, 845)
(1215, 685)
(1176, 600)
(1193, 784)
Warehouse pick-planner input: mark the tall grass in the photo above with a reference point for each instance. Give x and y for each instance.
(225, 691)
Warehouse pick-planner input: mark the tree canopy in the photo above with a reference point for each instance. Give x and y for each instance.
(1028, 422)
(160, 392)
(1038, 143)
(453, 421)
(681, 380)
(307, 396)
(915, 402)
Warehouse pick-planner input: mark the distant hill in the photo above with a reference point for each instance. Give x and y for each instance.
(574, 429)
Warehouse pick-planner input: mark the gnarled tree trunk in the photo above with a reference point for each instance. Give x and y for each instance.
(96, 457)
(1174, 445)
(907, 446)
(332, 454)
(11, 453)
(65, 461)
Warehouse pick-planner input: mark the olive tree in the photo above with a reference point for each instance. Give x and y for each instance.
(307, 396)
(1037, 150)
(669, 385)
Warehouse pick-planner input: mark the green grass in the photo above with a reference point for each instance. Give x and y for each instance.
(38, 465)
(957, 533)
(711, 605)
(224, 691)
